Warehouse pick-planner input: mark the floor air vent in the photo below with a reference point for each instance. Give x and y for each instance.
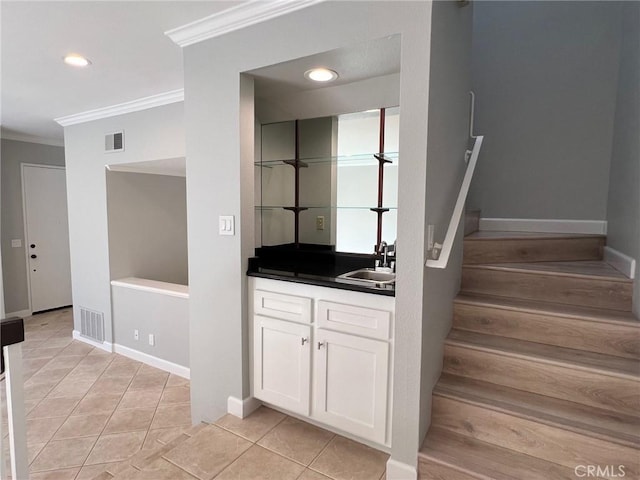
(92, 324)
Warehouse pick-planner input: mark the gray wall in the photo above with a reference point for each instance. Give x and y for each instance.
(545, 76)
(623, 208)
(14, 269)
(449, 85)
(220, 182)
(152, 134)
(147, 226)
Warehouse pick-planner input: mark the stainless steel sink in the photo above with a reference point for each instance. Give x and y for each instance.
(370, 275)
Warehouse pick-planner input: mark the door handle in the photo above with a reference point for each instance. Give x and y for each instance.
(34, 256)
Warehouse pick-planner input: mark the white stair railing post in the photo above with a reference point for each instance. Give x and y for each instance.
(15, 411)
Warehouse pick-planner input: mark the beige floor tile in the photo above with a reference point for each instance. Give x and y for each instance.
(162, 470)
(77, 348)
(130, 420)
(310, 475)
(55, 407)
(72, 386)
(37, 392)
(66, 474)
(50, 377)
(177, 381)
(172, 416)
(56, 341)
(176, 395)
(32, 451)
(121, 370)
(149, 370)
(299, 441)
(160, 436)
(147, 398)
(255, 426)
(82, 426)
(148, 381)
(41, 352)
(36, 363)
(116, 447)
(258, 463)
(41, 430)
(208, 452)
(344, 459)
(101, 403)
(111, 385)
(62, 454)
(60, 361)
(89, 472)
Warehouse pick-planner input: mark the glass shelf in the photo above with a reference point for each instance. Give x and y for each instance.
(346, 160)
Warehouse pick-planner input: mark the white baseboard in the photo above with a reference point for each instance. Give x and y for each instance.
(242, 408)
(541, 225)
(621, 262)
(19, 313)
(400, 471)
(160, 363)
(106, 346)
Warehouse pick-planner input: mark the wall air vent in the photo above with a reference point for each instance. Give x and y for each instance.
(114, 142)
(92, 324)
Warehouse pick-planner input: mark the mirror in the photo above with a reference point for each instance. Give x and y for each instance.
(317, 181)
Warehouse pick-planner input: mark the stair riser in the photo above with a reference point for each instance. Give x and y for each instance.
(429, 470)
(606, 338)
(532, 250)
(529, 437)
(587, 387)
(590, 292)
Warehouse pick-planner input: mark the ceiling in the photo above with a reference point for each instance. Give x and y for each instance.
(131, 57)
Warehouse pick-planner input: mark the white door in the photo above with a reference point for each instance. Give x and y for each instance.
(351, 383)
(282, 363)
(47, 236)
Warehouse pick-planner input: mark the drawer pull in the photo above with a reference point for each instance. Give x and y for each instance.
(320, 345)
(303, 340)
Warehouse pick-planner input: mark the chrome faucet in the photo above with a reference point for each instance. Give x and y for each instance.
(383, 249)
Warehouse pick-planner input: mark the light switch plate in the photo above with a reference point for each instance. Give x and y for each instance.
(227, 225)
(17, 243)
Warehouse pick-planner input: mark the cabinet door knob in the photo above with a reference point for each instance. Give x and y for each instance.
(320, 345)
(303, 340)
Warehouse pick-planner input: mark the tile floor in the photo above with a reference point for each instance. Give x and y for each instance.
(88, 410)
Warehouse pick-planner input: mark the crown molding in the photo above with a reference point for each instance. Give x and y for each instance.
(235, 18)
(145, 103)
(18, 137)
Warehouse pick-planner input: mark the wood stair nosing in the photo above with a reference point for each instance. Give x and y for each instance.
(562, 414)
(597, 387)
(529, 437)
(441, 453)
(601, 291)
(591, 330)
(482, 249)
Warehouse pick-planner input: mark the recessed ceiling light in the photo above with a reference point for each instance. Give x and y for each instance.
(76, 60)
(321, 75)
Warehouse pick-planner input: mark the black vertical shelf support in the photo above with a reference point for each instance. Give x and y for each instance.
(381, 161)
(296, 209)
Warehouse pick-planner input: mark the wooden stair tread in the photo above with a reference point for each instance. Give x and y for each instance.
(497, 235)
(594, 314)
(582, 269)
(485, 461)
(595, 422)
(570, 358)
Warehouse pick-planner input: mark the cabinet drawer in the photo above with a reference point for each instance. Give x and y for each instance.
(363, 321)
(286, 307)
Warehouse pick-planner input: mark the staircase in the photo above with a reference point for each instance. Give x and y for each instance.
(541, 373)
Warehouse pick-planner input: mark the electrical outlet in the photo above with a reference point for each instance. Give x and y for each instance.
(136, 335)
(152, 339)
(319, 222)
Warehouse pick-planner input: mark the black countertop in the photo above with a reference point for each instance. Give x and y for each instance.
(315, 265)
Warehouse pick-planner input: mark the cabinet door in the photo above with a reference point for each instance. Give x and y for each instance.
(351, 376)
(282, 363)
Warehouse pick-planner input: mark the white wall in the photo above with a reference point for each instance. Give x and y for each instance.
(545, 77)
(147, 217)
(151, 134)
(623, 208)
(220, 182)
(14, 266)
(449, 83)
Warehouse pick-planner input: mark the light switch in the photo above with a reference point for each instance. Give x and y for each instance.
(227, 225)
(17, 243)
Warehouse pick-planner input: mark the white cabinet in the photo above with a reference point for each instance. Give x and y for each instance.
(324, 353)
(282, 361)
(351, 378)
